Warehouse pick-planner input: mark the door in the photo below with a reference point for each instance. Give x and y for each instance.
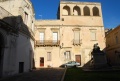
(78, 58)
(1, 53)
(41, 61)
(1, 61)
(21, 67)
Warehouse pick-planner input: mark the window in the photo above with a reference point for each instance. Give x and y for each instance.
(67, 55)
(55, 37)
(66, 10)
(25, 18)
(95, 11)
(86, 11)
(76, 40)
(93, 35)
(48, 56)
(76, 37)
(76, 10)
(116, 38)
(41, 37)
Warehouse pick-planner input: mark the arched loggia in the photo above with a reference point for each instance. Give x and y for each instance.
(95, 11)
(86, 11)
(66, 10)
(77, 10)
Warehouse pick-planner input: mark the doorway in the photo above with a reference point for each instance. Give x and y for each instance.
(78, 58)
(21, 67)
(1, 53)
(41, 61)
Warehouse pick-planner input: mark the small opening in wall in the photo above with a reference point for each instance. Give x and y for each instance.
(62, 19)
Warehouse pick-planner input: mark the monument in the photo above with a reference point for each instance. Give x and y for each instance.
(98, 57)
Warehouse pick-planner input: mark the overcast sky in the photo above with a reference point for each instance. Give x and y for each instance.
(47, 9)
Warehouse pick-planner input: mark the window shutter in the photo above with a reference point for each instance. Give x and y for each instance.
(48, 56)
(41, 36)
(67, 55)
(55, 37)
(76, 36)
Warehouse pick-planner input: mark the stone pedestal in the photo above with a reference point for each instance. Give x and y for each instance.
(99, 60)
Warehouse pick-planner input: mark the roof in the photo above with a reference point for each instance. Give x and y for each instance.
(113, 30)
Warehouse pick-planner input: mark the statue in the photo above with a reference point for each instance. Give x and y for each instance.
(98, 57)
(96, 48)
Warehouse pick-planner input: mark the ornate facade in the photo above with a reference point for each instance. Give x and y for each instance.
(71, 37)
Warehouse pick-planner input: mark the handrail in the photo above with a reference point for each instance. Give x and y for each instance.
(47, 42)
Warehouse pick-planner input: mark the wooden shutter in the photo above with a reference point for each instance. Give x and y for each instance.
(41, 36)
(76, 36)
(55, 37)
(48, 56)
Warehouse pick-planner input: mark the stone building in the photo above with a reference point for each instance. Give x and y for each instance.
(16, 36)
(113, 46)
(71, 37)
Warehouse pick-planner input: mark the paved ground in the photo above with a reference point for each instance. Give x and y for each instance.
(44, 74)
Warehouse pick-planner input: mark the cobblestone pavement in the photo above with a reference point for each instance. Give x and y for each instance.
(44, 74)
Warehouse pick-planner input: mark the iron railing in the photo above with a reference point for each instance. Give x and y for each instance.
(47, 42)
(77, 42)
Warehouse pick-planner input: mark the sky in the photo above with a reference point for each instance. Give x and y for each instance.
(47, 9)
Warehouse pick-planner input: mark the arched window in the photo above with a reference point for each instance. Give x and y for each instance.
(66, 10)
(86, 11)
(116, 39)
(95, 11)
(76, 10)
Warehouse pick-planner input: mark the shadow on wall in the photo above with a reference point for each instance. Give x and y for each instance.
(14, 35)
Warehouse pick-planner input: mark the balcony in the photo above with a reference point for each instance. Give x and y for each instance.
(47, 43)
(77, 42)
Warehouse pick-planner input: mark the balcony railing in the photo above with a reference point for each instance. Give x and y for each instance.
(47, 42)
(77, 42)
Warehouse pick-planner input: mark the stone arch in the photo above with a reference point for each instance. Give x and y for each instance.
(76, 10)
(95, 11)
(86, 11)
(66, 10)
(2, 45)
